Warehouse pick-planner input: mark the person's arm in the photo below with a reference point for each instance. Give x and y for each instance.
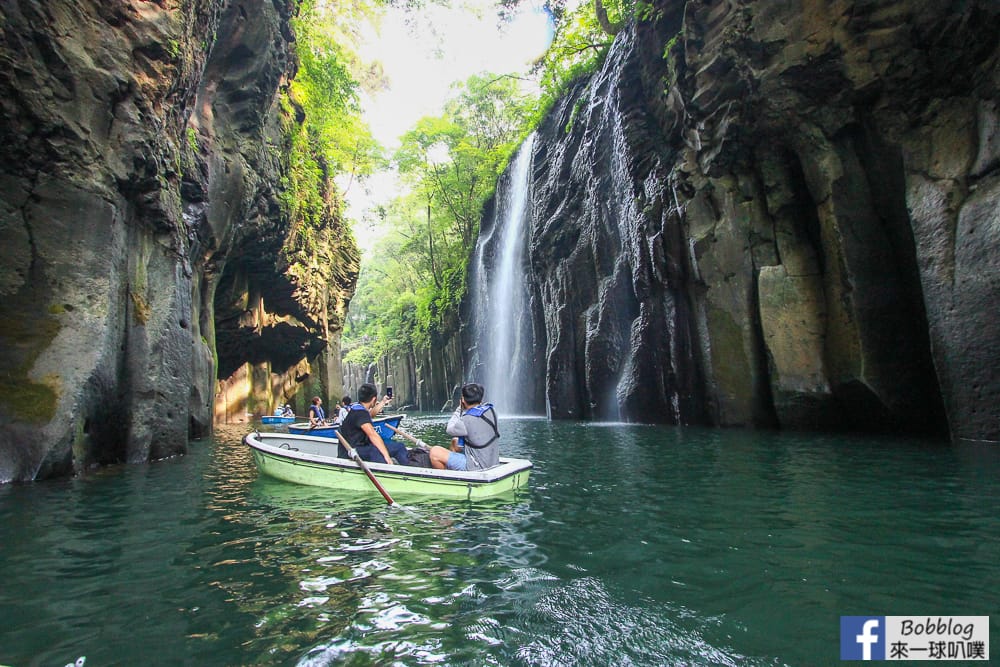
(376, 439)
(377, 408)
(456, 426)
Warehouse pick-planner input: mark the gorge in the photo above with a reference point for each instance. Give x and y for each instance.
(754, 214)
(773, 214)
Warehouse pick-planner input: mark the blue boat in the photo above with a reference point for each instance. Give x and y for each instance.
(275, 419)
(381, 424)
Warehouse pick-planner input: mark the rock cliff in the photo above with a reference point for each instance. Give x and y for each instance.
(776, 214)
(153, 279)
(422, 379)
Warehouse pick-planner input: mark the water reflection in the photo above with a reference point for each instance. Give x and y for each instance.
(361, 576)
(632, 545)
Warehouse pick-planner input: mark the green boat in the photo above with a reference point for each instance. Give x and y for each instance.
(304, 459)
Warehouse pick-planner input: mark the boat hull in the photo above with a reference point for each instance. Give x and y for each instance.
(314, 462)
(381, 425)
(276, 419)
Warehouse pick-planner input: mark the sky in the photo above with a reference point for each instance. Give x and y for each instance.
(421, 64)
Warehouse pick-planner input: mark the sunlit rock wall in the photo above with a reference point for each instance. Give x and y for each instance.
(777, 213)
(424, 379)
(140, 224)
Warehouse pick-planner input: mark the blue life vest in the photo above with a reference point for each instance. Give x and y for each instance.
(480, 411)
(320, 415)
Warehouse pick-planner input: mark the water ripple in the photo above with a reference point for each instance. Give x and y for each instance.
(633, 545)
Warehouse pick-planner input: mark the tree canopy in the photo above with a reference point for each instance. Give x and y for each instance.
(412, 283)
(415, 279)
(333, 138)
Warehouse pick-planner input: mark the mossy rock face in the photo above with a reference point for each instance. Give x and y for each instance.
(105, 291)
(25, 336)
(29, 401)
(731, 368)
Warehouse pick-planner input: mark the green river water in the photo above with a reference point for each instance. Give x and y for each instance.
(633, 545)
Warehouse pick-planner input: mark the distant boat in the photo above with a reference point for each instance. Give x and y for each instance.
(276, 419)
(381, 424)
(313, 461)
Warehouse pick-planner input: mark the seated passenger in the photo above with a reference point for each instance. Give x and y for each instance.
(317, 417)
(359, 431)
(477, 442)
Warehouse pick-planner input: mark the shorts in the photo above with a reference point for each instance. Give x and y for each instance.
(456, 461)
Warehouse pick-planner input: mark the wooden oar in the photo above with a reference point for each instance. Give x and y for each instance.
(420, 443)
(353, 453)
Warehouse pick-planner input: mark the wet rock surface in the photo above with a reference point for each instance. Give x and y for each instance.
(141, 224)
(776, 214)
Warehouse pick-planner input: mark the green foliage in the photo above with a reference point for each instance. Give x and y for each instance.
(453, 160)
(671, 53)
(579, 46)
(577, 106)
(410, 290)
(646, 12)
(333, 138)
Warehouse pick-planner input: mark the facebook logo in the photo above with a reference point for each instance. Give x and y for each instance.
(862, 637)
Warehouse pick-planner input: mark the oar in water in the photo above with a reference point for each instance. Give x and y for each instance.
(353, 453)
(420, 443)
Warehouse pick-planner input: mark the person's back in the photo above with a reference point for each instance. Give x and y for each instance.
(351, 428)
(482, 442)
(475, 425)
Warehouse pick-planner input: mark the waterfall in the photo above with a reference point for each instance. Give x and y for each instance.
(500, 295)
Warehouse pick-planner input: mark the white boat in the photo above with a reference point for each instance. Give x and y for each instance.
(304, 459)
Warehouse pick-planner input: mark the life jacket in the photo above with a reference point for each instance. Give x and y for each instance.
(480, 411)
(320, 415)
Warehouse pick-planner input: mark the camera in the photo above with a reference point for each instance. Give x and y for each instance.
(388, 392)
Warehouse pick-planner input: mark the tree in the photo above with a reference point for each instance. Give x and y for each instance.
(451, 164)
(335, 139)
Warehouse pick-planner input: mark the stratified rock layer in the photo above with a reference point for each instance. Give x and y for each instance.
(141, 222)
(777, 213)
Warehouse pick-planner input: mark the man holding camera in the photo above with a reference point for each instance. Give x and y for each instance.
(477, 440)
